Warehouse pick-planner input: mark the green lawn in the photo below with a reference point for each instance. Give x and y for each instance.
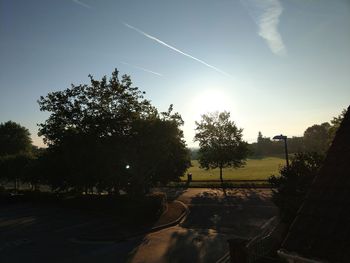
(255, 169)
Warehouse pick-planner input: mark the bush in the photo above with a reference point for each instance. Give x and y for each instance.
(293, 183)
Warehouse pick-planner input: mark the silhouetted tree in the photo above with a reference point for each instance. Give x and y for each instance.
(335, 123)
(220, 142)
(15, 152)
(292, 184)
(14, 139)
(14, 168)
(316, 138)
(106, 135)
(157, 151)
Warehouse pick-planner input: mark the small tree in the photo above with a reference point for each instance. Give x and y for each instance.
(14, 139)
(292, 184)
(15, 152)
(15, 167)
(220, 142)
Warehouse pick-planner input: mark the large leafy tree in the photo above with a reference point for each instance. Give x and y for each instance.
(87, 127)
(14, 139)
(220, 141)
(107, 135)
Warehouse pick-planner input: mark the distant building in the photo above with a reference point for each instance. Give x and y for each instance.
(321, 229)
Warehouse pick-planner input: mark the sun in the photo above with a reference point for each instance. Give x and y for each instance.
(210, 101)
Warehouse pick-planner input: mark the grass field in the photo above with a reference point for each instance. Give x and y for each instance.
(255, 169)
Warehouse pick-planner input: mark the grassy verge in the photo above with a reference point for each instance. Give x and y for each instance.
(255, 169)
(218, 184)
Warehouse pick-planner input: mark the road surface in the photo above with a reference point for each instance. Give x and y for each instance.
(30, 233)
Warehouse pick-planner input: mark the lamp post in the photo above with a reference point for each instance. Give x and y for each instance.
(283, 137)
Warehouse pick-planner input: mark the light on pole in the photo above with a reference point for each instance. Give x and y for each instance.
(283, 137)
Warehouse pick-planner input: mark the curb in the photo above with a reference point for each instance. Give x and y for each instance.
(180, 219)
(175, 222)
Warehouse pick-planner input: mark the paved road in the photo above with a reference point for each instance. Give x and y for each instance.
(215, 215)
(30, 233)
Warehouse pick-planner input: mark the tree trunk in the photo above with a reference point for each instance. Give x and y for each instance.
(116, 189)
(221, 174)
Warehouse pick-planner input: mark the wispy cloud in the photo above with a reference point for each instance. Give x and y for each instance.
(176, 50)
(266, 14)
(141, 68)
(81, 4)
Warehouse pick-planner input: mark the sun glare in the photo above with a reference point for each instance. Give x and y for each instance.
(210, 101)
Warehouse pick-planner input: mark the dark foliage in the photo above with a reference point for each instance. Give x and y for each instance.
(14, 139)
(292, 184)
(316, 138)
(106, 136)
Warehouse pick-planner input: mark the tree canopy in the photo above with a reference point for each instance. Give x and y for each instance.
(220, 141)
(16, 152)
(106, 135)
(335, 123)
(316, 138)
(102, 109)
(14, 139)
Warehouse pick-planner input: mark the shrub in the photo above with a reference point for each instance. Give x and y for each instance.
(291, 185)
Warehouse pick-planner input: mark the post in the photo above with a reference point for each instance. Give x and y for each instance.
(221, 174)
(286, 151)
(282, 137)
(238, 250)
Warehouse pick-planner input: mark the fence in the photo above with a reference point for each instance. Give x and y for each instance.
(250, 251)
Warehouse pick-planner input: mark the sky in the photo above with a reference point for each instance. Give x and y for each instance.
(277, 66)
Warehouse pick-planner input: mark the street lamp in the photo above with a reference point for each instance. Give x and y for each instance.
(283, 137)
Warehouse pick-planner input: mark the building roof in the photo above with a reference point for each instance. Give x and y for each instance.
(321, 229)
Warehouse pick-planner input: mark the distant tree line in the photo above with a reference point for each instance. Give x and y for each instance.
(317, 138)
(103, 136)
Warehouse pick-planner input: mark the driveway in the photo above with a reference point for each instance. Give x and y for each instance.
(215, 215)
(30, 233)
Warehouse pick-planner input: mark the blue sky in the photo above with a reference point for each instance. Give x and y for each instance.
(277, 66)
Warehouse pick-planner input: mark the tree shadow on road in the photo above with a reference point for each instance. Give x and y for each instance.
(172, 192)
(192, 245)
(233, 196)
(241, 211)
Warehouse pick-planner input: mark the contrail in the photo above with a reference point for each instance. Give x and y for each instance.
(175, 49)
(141, 68)
(82, 4)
